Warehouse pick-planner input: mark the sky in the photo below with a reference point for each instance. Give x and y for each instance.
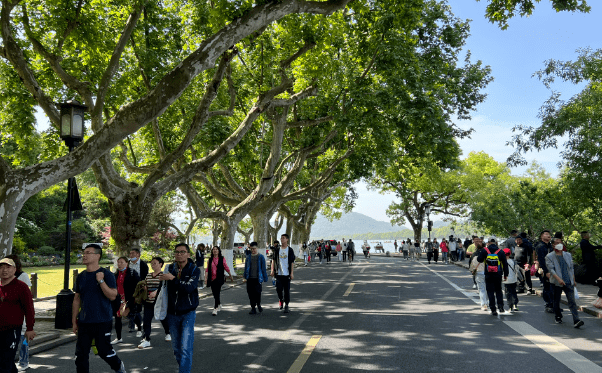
(515, 96)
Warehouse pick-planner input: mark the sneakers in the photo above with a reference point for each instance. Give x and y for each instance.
(22, 368)
(121, 369)
(474, 286)
(253, 312)
(116, 340)
(286, 309)
(280, 304)
(139, 334)
(219, 308)
(558, 321)
(493, 313)
(578, 324)
(515, 308)
(259, 308)
(549, 310)
(502, 312)
(168, 337)
(214, 313)
(144, 344)
(484, 307)
(531, 292)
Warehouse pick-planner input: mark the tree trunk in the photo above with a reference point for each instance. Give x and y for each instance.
(129, 219)
(227, 242)
(261, 225)
(11, 203)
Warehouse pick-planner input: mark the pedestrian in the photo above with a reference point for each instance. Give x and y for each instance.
(23, 348)
(216, 266)
(199, 260)
(444, 251)
(320, 249)
(92, 312)
(255, 274)
(460, 250)
(417, 250)
(344, 250)
(435, 250)
(510, 283)
(452, 248)
(141, 268)
(478, 271)
(542, 249)
(588, 252)
(127, 279)
(153, 288)
(282, 268)
(560, 271)
(466, 245)
(305, 251)
(16, 305)
(470, 249)
(328, 250)
(405, 247)
(496, 270)
(523, 256)
(395, 244)
(429, 250)
(510, 242)
(350, 251)
(339, 249)
(182, 301)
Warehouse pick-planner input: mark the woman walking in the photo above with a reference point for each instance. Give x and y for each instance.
(444, 251)
(126, 285)
(216, 265)
(339, 249)
(153, 287)
(435, 250)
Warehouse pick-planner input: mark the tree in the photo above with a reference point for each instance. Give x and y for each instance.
(56, 52)
(500, 11)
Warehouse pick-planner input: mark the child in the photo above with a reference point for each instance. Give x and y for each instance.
(510, 282)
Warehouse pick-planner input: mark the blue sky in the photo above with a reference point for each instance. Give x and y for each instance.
(514, 97)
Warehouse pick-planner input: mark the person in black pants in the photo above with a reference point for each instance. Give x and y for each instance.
(153, 288)
(95, 288)
(495, 270)
(328, 251)
(127, 280)
(255, 274)
(216, 265)
(282, 268)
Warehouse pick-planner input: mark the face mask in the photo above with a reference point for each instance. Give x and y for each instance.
(121, 270)
(133, 260)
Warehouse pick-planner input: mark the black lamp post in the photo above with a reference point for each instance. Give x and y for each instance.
(72, 132)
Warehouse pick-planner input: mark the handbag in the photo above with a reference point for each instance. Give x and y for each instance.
(161, 300)
(534, 269)
(123, 311)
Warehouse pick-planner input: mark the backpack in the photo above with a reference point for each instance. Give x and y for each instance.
(493, 264)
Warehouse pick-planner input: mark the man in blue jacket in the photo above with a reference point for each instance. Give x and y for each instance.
(182, 299)
(255, 274)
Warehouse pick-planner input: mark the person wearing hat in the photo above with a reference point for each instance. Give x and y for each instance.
(16, 303)
(561, 274)
(255, 274)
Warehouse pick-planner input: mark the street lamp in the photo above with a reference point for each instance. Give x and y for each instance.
(72, 132)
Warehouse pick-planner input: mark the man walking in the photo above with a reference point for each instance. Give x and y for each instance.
(92, 313)
(543, 248)
(496, 269)
(282, 268)
(395, 244)
(589, 258)
(16, 303)
(182, 301)
(255, 274)
(429, 250)
(199, 259)
(141, 268)
(559, 265)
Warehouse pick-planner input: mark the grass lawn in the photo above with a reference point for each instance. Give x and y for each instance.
(50, 278)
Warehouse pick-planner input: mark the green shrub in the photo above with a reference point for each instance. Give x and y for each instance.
(47, 250)
(106, 261)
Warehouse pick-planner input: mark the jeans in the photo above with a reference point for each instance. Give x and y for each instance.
(405, 254)
(305, 258)
(344, 255)
(511, 296)
(9, 343)
(23, 352)
(494, 290)
(135, 317)
(181, 328)
(101, 333)
(254, 291)
(283, 288)
(339, 256)
(480, 278)
(445, 259)
(569, 290)
(149, 313)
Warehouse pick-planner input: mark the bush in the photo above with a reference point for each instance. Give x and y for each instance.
(106, 261)
(46, 250)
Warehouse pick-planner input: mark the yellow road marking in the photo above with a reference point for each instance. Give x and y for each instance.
(349, 289)
(302, 359)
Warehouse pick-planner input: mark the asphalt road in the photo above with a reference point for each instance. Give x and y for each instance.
(381, 314)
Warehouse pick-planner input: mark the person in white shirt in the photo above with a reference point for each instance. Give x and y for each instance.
(282, 268)
(510, 282)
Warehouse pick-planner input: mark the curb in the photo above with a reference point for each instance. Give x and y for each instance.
(586, 309)
(58, 340)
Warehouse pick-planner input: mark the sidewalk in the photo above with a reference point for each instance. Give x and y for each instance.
(587, 294)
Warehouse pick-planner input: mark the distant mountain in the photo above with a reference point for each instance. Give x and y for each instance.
(350, 224)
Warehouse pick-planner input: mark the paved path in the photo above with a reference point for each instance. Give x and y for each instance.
(384, 314)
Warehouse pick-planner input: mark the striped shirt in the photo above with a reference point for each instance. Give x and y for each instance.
(152, 283)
